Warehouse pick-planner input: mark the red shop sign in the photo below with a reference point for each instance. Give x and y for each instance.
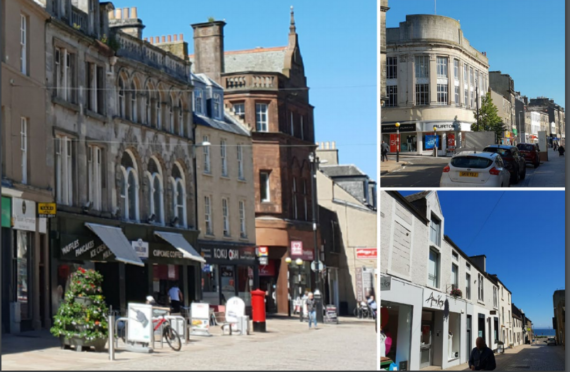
(450, 140)
(366, 253)
(394, 142)
(267, 270)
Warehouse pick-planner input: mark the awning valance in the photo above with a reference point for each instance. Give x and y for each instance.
(182, 245)
(117, 242)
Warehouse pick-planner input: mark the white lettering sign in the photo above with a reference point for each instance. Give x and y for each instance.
(68, 248)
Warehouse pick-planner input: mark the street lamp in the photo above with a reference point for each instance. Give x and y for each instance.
(397, 142)
(435, 141)
(314, 160)
(296, 270)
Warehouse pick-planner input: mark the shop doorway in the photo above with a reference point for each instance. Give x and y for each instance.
(136, 283)
(426, 343)
(267, 284)
(469, 336)
(481, 326)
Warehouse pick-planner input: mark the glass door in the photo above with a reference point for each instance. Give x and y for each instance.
(426, 339)
(469, 336)
(227, 281)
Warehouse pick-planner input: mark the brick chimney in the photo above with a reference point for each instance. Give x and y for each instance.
(209, 49)
(126, 20)
(174, 44)
(480, 261)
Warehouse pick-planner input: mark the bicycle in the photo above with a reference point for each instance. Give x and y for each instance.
(168, 333)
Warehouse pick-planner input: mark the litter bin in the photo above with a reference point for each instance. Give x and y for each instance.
(258, 310)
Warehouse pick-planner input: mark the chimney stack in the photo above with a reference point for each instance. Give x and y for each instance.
(209, 49)
(126, 19)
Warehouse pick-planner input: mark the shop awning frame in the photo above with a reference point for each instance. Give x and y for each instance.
(117, 242)
(181, 244)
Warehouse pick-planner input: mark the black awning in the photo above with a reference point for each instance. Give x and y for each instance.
(182, 245)
(114, 239)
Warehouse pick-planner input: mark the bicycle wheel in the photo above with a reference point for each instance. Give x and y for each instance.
(365, 313)
(172, 338)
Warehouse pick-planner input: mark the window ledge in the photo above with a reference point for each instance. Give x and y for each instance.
(226, 177)
(480, 302)
(95, 115)
(209, 174)
(66, 104)
(243, 180)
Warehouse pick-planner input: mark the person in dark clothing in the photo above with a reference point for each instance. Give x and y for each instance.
(384, 148)
(482, 358)
(311, 309)
(561, 150)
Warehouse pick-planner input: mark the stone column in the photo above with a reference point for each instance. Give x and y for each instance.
(411, 82)
(432, 79)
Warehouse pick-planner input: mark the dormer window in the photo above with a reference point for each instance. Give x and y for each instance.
(198, 102)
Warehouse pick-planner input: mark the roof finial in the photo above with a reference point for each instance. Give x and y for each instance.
(292, 28)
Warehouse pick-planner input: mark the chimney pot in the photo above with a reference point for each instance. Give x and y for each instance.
(175, 37)
(327, 145)
(164, 39)
(125, 13)
(134, 13)
(170, 38)
(181, 37)
(334, 145)
(111, 14)
(119, 13)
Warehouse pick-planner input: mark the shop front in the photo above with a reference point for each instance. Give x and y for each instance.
(400, 316)
(421, 138)
(443, 332)
(230, 270)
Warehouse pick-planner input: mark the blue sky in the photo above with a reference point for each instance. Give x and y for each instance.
(522, 38)
(522, 235)
(338, 44)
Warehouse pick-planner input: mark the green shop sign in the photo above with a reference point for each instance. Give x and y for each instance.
(6, 212)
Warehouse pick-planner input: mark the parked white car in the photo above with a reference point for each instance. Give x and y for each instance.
(475, 169)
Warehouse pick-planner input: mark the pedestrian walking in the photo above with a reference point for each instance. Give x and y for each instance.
(311, 310)
(372, 305)
(384, 150)
(561, 150)
(482, 358)
(176, 298)
(304, 305)
(554, 147)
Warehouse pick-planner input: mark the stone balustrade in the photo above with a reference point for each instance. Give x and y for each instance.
(251, 81)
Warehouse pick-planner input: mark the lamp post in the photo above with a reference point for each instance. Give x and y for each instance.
(397, 142)
(435, 141)
(294, 288)
(314, 160)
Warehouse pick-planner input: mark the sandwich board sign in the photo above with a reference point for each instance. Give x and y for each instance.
(140, 327)
(200, 319)
(235, 309)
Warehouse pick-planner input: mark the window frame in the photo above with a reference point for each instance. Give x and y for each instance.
(261, 117)
(392, 94)
(240, 162)
(64, 170)
(435, 221)
(24, 44)
(435, 281)
(224, 158)
(442, 67)
(207, 158)
(442, 94)
(391, 67)
(264, 175)
(95, 175)
(226, 217)
(422, 95)
(421, 67)
(242, 219)
(24, 148)
(208, 215)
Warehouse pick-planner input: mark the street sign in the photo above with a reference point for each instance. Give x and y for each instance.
(296, 248)
(314, 266)
(370, 253)
(263, 251)
(47, 209)
(263, 260)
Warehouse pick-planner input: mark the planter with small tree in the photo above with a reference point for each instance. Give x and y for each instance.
(81, 319)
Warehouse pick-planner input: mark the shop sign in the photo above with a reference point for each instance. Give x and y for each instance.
(263, 260)
(296, 248)
(206, 252)
(428, 127)
(308, 255)
(394, 142)
(391, 128)
(6, 212)
(47, 209)
(436, 301)
(141, 248)
(370, 253)
(263, 251)
(450, 140)
(24, 214)
(267, 269)
(247, 253)
(226, 254)
(385, 283)
(161, 253)
(206, 268)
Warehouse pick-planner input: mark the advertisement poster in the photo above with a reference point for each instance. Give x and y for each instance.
(431, 140)
(296, 249)
(451, 141)
(394, 143)
(200, 316)
(140, 323)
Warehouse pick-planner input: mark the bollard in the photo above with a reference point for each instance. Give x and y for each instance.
(111, 328)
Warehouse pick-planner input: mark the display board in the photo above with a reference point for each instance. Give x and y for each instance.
(140, 327)
(200, 319)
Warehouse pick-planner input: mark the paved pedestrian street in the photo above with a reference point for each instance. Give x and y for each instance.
(425, 171)
(537, 357)
(288, 344)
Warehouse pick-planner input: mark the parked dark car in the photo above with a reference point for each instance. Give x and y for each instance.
(530, 152)
(513, 159)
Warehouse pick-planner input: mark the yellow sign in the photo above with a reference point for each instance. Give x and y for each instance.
(47, 209)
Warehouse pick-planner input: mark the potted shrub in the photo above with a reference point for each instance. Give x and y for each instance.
(456, 292)
(81, 319)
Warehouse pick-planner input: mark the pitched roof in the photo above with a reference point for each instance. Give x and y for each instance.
(258, 60)
(228, 124)
(343, 170)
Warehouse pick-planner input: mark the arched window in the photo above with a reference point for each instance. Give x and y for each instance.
(121, 96)
(133, 103)
(156, 202)
(129, 188)
(148, 106)
(179, 196)
(158, 113)
(180, 118)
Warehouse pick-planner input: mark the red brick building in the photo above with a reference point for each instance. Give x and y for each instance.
(267, 89)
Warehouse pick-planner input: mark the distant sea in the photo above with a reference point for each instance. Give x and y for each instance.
(544, 332)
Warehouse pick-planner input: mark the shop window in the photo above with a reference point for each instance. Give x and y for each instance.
(394, 330)
(245, 283)
(409, 143)
(23, 252)
(227, 278)
(431, 140)
(454, 336)
(210, 284)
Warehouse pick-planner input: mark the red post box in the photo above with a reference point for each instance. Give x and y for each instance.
(258, 310)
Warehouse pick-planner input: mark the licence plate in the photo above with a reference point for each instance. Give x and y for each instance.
(468, 174)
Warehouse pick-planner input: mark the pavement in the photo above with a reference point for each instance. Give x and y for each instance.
(425, 171)
(287, 345)
(391, 165)
(551, 173)
(536, 357)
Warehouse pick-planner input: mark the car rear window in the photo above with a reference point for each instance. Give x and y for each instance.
(524, 147)
(502, 152)
(471, 162)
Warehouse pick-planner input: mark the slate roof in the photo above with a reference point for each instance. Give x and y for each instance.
(341, 170)
(228, 125)
(258, 60)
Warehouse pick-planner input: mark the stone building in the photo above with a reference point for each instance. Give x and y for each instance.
(383, 9)
(434, 79)
(226, 197)
(267, 89)
(505, 112)
(429, 324)
(504, 85)
(119, 111)
(347, 211)
(518, 326)
(25, 167)
(559, 319)
(556, 115)
(536, 120)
